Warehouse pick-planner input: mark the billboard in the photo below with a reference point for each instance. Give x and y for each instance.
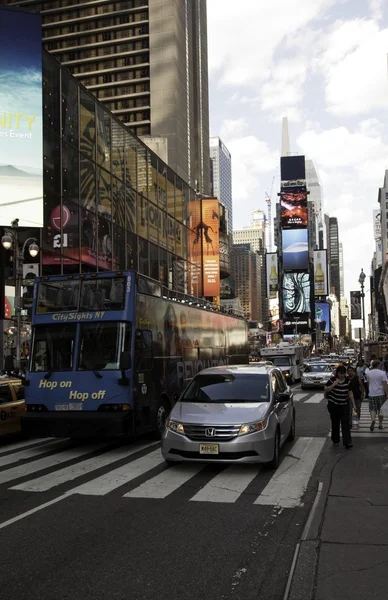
(292, 168)
(321, 287)
(322, 316)
(377, 224)
(296, 293)
(21, 130)
(295, 249)
(293, 206)
(209, 227)
(274, 313)
(355, 305)
(272, 270)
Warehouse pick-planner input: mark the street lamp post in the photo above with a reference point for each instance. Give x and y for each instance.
(9, 240)
(361, 281)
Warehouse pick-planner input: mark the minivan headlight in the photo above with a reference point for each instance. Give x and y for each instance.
(176, 427)
(253, 427)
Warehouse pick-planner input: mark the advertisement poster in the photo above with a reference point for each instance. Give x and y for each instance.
(209, 228)
(21, 138)
(296, 293)
(295, 249)
(377, 224)
(321, 287)
(272, 270)
(194, 249)
(322, 316)
(274, 314)
(293, 205)
(355, 305)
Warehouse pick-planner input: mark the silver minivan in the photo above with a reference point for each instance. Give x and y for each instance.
(241, 413)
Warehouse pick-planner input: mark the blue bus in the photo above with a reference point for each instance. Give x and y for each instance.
(109, 354)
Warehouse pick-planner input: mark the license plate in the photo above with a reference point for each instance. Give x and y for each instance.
(61, 407)
(208, 449)
(75, 406)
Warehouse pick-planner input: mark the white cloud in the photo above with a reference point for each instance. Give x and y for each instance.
(376, 7)
(355, 67)
(336, 148)
(254, 28)
(283, 92)
(233, 128)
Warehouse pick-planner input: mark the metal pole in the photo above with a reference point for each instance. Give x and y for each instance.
(363, 311)
(18, 300)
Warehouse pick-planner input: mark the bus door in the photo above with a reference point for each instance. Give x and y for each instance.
(146, 381)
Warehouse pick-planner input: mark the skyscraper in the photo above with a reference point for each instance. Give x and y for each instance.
(333, 257)
(146, 60)
(341, 270)
(222, 176)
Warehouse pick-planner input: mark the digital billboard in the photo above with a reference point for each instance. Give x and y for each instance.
(293, 206)
(321, 287)
(296, 293)
(292, 168)
(21, 131)
(209, 227)
(272, 269)
(322, 316)
(355, 305)
(295, 249)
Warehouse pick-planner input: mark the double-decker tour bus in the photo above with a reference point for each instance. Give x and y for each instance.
(109, 354)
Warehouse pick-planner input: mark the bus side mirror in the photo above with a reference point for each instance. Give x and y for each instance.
(125, 361)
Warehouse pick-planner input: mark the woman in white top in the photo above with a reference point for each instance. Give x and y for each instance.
(378, 392)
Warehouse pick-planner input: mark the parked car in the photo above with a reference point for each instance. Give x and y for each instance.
(316, 375)
(231, 414)
(12, 406)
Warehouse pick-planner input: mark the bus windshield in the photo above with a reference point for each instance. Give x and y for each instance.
(81, 295)
(53, 347)
(101, 344)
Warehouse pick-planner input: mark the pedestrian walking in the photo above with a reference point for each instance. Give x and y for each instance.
(378, 392)
(339, 396)
(357, 388)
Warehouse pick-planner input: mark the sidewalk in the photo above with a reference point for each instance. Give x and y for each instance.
(344, 553)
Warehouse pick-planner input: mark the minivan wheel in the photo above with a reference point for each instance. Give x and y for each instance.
(291, 435)
(161, 417)
(274, 463)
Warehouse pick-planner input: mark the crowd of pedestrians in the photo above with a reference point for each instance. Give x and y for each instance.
(346, 390)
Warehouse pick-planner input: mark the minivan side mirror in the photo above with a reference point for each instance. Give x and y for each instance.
(125, 361)
(284, 397)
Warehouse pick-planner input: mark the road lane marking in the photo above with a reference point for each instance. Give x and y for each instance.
(51, 480)
(22, 445)
(288, 484)
(316, 399)
(45, 463)
(228, 485)
(166, 483)
(300, 396)
(32, 511)
(29, 453)
(118, 477)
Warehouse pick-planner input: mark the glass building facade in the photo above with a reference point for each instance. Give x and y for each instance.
(109, 202)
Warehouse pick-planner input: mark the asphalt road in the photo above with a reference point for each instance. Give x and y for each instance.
(69, 532)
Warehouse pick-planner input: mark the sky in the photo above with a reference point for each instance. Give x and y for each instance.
(323, 64)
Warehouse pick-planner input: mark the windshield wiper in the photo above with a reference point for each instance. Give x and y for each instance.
(48, 375)
(97, 374)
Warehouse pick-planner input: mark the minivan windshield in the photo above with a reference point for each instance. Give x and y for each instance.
(227, 387)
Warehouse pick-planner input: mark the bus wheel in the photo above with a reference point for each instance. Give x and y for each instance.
(160, 418)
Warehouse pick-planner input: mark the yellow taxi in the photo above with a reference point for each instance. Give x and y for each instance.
(12, 406)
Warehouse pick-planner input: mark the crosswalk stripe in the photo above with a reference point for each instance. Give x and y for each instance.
(166, 483)
(316, 399)
(288, 484)
(29, 453)
(45, 463)
(300, 396)
(118, 477)
(47, 482)
(25, 444)
(228, 485)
